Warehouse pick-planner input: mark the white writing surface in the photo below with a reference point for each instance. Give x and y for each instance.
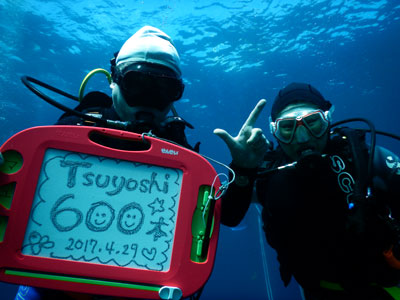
(103, 210)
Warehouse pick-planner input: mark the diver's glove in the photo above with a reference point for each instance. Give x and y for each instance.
(392, 252)
(249, 146)
(392, 256)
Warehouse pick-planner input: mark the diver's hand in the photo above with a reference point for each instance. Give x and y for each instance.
(1, 159)
(249, 146)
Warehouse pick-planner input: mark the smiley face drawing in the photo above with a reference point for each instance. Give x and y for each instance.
(100, 216)
(130, 218)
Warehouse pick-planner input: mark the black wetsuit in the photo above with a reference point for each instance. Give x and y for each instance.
(100, 104)
(308, 222)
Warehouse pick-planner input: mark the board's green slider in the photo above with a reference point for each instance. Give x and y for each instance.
(83, 280)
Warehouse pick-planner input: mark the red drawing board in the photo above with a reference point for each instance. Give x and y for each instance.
(128, 220)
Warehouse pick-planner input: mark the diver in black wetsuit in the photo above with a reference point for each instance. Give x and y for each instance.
(329, 212)
(146, 81)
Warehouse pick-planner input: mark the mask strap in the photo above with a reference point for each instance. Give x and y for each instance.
(272, 126)
(328, 114)
(113, 67)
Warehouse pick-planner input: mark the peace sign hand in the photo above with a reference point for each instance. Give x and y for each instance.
(249, 146)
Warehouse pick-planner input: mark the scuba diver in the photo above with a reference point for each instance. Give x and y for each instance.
(331, 201)
(146, 80)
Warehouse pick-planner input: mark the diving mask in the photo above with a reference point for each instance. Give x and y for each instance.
(314, 120)
(149, 86)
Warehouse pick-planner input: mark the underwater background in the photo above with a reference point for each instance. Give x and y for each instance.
(233, 53)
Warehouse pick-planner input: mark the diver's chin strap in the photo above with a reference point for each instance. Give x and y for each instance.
(118, 124)
(145, 122)
(304, 161)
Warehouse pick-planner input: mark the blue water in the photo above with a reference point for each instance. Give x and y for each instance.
(233, 54)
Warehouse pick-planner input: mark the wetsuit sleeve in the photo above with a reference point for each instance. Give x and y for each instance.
(93, 102)
(69, 120)
(386, 178)
(175, 131)
(237, 198)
